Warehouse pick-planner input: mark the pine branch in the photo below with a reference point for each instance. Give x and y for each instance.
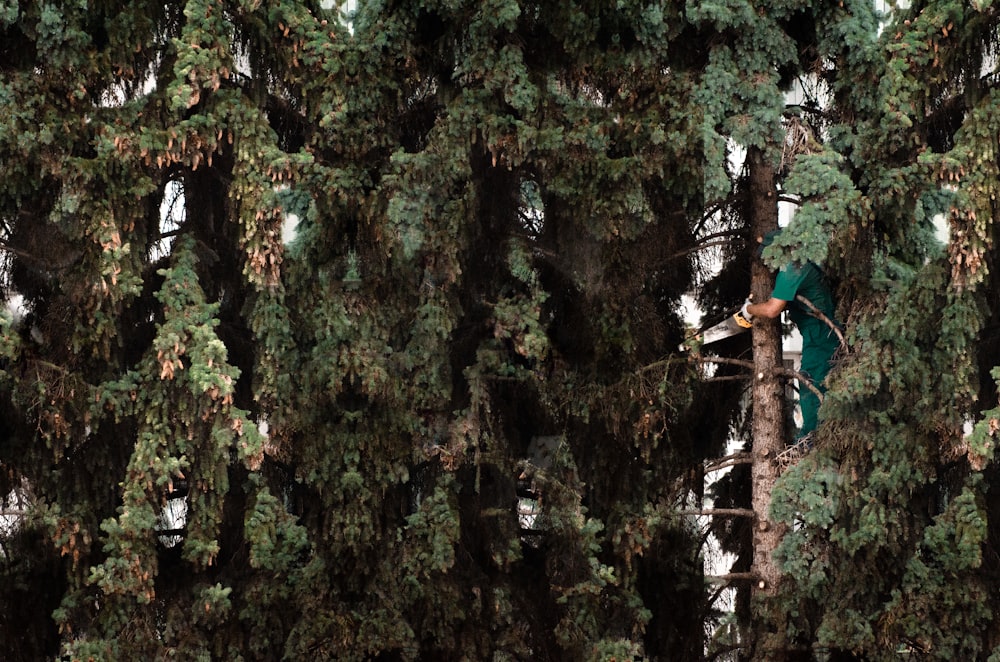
(725, 360)
(729, 461)
(726, 581)
(732, 577)
(815, 312)
(777, 370)
(41, 262)
(696, 248)
(715, 209)
(719, 512)
(726, 378)
(18, 252)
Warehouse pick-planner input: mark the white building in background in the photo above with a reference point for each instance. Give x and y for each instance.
(13, 509)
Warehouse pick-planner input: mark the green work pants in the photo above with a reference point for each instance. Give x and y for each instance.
(819, 342)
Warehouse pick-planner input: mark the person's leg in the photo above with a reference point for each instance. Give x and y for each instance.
(816, 366)
(809, 404)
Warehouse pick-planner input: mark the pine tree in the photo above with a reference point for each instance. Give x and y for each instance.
(893, 544)
(757, 56)
(384, 308)
(492, 202)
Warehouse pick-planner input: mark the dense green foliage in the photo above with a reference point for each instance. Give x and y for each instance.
(489, 197)
(897, 543)
(497, 206)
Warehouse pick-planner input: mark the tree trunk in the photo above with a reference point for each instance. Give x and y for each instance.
(768, 420)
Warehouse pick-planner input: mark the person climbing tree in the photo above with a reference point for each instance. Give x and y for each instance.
(804, 290)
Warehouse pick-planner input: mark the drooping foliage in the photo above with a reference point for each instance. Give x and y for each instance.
(357, 336)
(312, 308)
(894, 547)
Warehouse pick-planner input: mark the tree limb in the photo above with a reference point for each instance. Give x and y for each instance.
(818, 314)
(715, 209)
(777, 370)
(720, 512)
(18, 252)
(732, 576)
(725, 581)
(707, 242)
(726, 378)
(39, 262)
(729, 461)
(696, 248)
(802, 379)
(725, 360)
(167, 533)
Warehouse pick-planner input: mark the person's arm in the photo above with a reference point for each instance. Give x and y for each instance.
(769, 309)
(786, 284)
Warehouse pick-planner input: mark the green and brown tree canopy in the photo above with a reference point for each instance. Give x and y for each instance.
(350, 295)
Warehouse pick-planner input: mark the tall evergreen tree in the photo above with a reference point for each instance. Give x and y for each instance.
(492, 202)
(893, 544)
(385, 309)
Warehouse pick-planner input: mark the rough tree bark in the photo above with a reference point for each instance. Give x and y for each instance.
(768, 418)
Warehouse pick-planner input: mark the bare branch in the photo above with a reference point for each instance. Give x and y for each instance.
(720, 235)
(802, 379)
(719, 512)
(724, 360)
(725, 581)
(18, 252)
(708, 241)
(818, 314)
(696, 248)
(171, 233)
(776, 370)
(731, 577)
(811, 108)
(715, 209)
(731, 456)
(729, 461)
(727, 378)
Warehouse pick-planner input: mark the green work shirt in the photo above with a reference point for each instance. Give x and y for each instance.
(808, 281)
